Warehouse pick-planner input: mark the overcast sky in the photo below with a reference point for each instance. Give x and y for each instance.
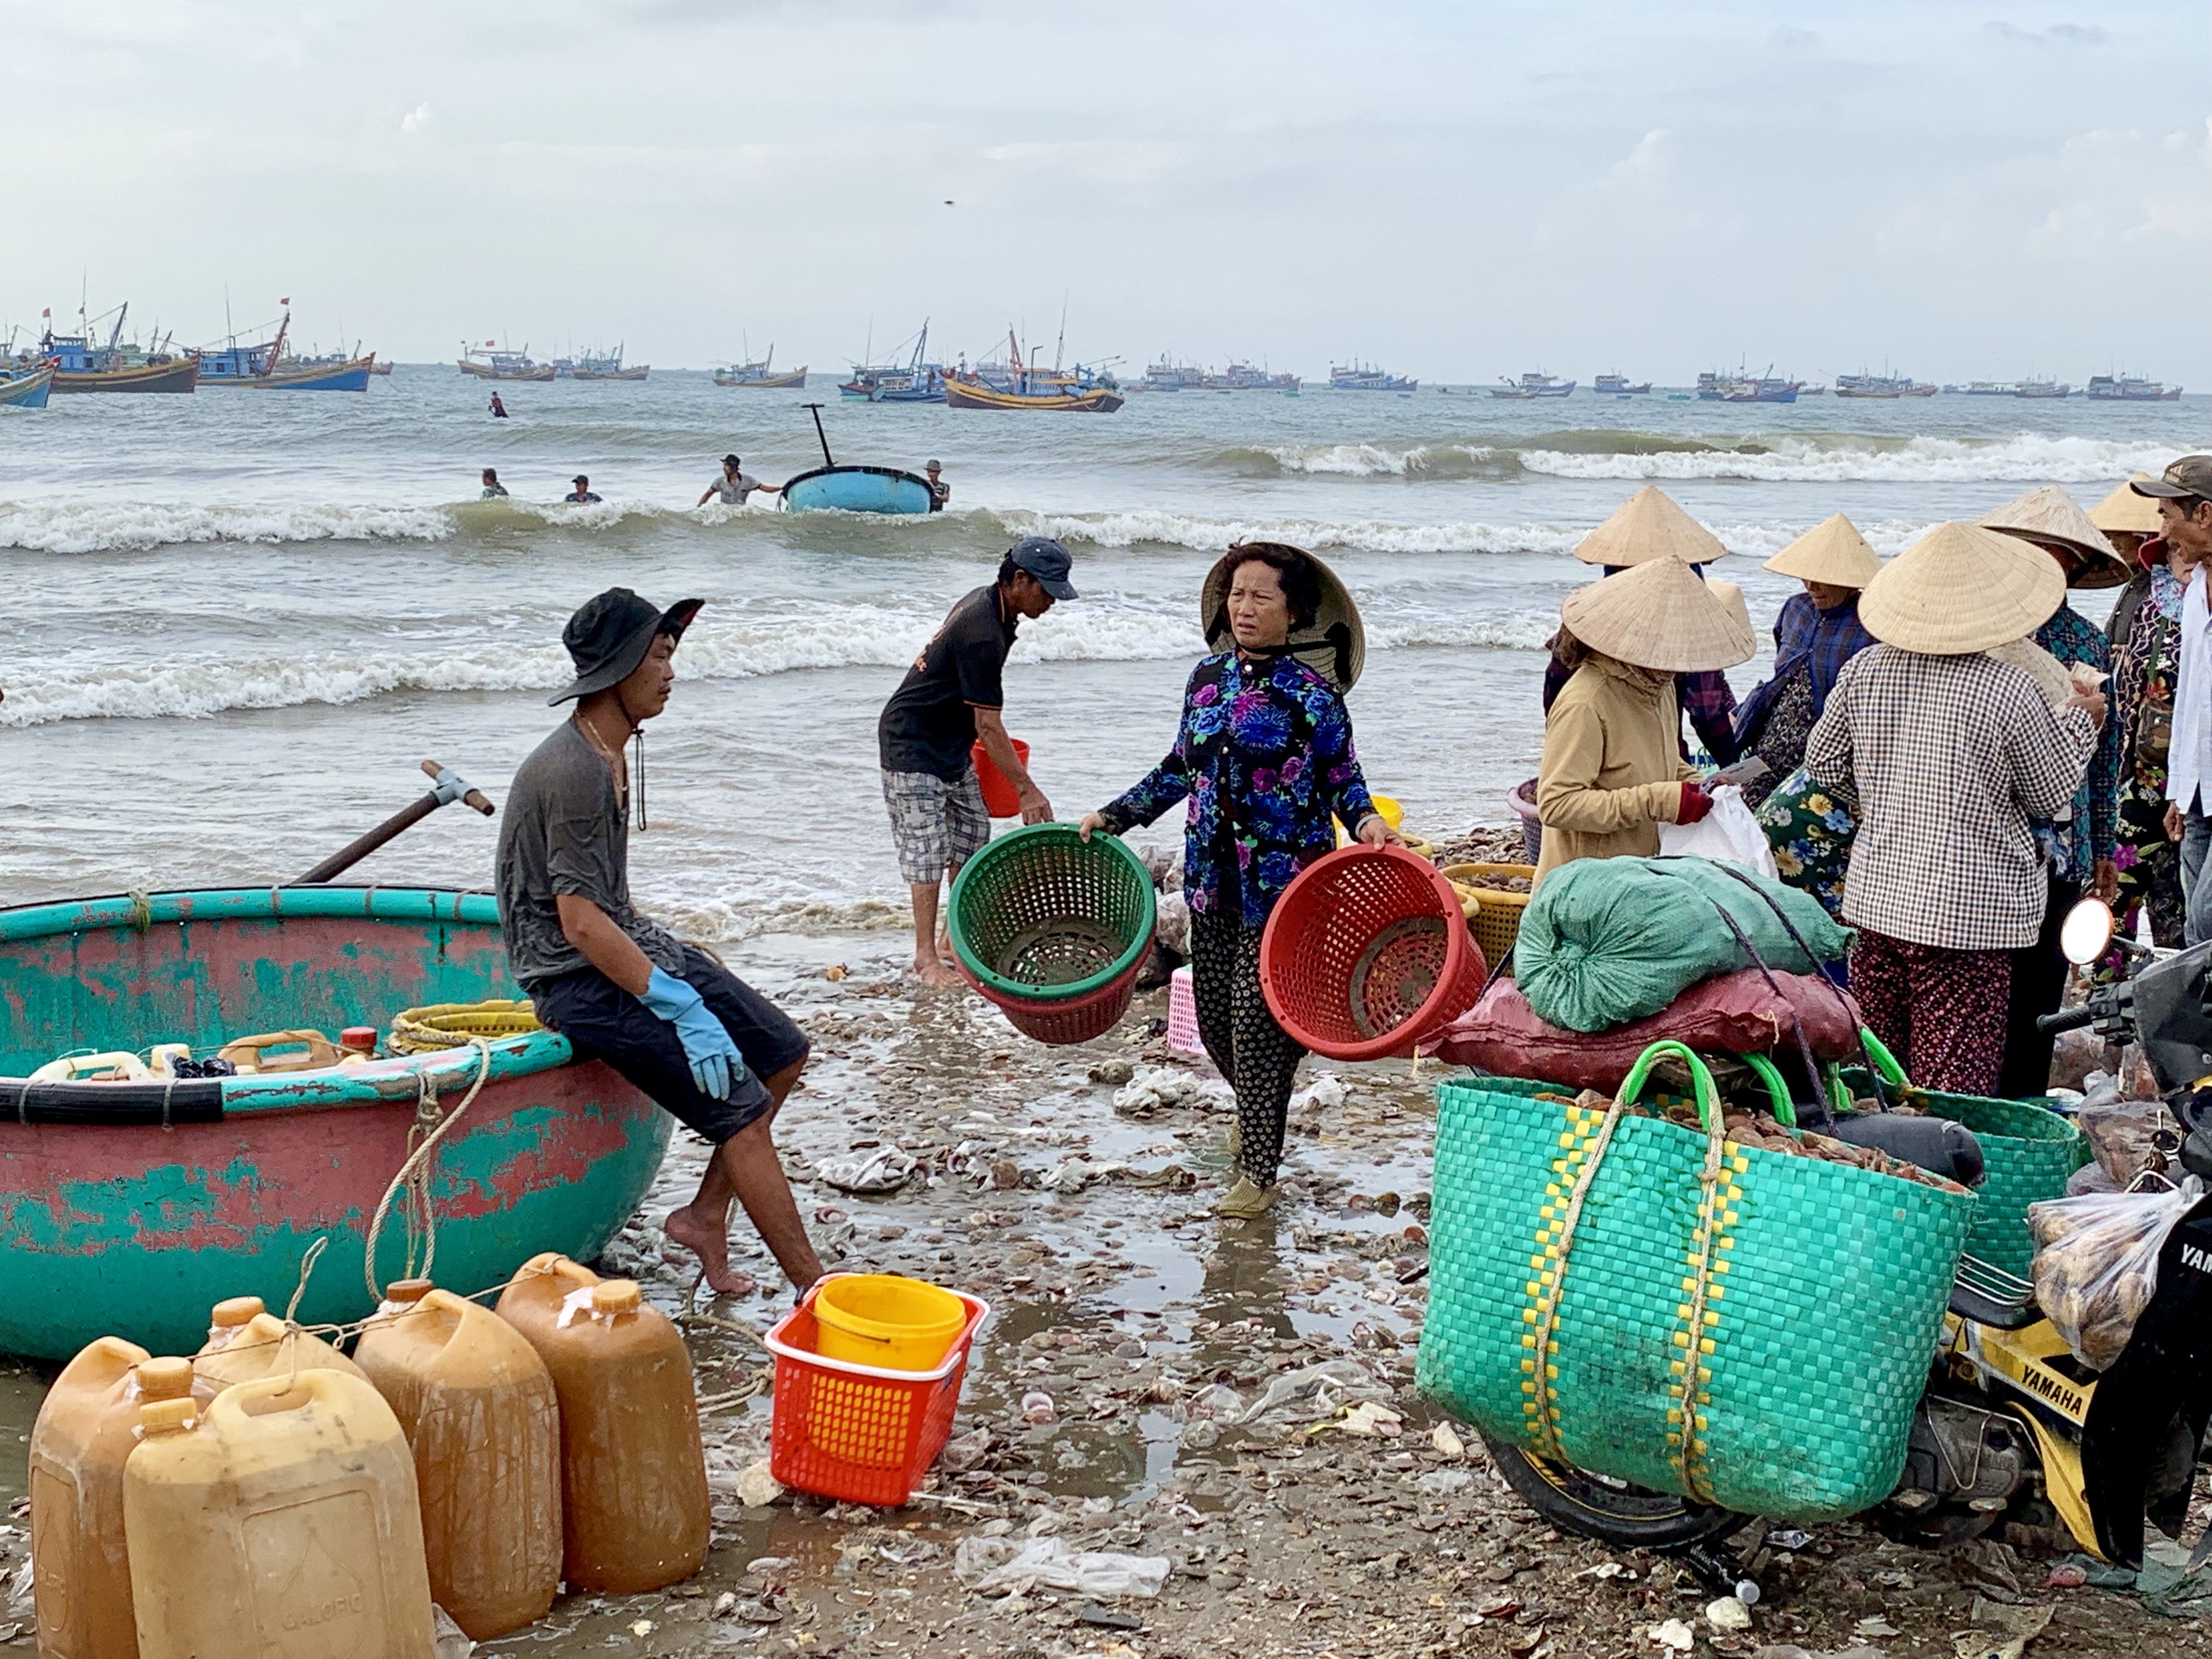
(1457, 191)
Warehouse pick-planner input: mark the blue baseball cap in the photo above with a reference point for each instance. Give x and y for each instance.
(1046, 560)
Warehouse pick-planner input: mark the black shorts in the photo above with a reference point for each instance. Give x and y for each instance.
(605, 1022)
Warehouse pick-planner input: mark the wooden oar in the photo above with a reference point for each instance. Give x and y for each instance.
(451, 787)
(818, 433)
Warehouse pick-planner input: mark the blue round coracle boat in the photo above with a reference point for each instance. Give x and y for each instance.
(857, 489)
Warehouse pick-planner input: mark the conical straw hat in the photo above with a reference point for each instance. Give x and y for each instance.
(1661, 615)
(1732, 596)
(2049, 517)
(2127, 512)
(1961, 589)
(1832, 552)
(1335, 643)
(1649, 526)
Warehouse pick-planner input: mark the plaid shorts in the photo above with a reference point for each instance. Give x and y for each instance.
(938, 826)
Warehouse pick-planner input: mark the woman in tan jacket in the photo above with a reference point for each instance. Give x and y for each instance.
(1613, 769)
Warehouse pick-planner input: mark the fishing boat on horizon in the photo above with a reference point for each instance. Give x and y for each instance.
(914, 382)
(2130, 389)
(265, 366)
(1742, 388)
(81, 366)
(1533, 386)
(598, 365)
(2043, 389)
(1617, 385)
(760, 376)
(1864, 384)
(1076, 390)
(492, 362)
(1357, 376)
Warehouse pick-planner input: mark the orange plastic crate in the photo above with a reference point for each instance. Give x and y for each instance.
(856, 1432)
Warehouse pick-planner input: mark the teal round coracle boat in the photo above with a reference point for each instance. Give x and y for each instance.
(130, 1208)
(856, 489)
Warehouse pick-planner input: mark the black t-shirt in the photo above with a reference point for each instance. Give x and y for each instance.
(929, 726)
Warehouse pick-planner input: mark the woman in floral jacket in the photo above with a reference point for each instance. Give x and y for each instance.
(1264, 754)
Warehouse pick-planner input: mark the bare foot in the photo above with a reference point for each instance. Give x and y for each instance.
(935, 976)
(711, 1244)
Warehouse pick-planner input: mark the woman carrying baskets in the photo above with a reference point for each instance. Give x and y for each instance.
(1264, 752)
(1612, 772)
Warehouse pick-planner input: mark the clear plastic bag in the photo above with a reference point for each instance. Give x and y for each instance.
(2096, 1263)
(1728, 834)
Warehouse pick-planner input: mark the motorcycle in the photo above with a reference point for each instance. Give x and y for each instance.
(2012, 1424)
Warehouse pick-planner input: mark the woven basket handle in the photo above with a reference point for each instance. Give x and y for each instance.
(1785, 1109)
(1885, 1064)
(1701, 1078)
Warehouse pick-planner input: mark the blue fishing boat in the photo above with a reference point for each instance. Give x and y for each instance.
(27, 389)
(1365, 377)
(853, 489)
(912, 382)
(265, 367)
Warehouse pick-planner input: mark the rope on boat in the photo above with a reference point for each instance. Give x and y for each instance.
(422, 1138)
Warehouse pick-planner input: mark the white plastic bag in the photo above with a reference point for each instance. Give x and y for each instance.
(1728, 834)
(1017, 1566)
(2096, 1263)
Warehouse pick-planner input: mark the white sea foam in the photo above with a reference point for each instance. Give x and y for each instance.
(1211, 534)
(856, 637)
(2027, 458)
(102, 526)
(1368, 460)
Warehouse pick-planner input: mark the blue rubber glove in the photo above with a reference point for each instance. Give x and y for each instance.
(715, 1062)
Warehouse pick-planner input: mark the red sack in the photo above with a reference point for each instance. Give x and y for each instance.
(1733, 1013)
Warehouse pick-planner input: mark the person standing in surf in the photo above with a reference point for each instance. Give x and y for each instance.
(951, 697)
(939, 491)
(498, 408)
(667, 1016)
(734, 485)
(493, 488)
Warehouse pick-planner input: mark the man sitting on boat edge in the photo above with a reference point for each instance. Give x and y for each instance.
(668, 1017)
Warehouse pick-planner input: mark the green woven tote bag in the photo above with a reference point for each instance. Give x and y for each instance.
(1818, 1289)
(2027, 1151)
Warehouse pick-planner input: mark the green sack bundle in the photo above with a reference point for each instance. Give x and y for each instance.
(1607, 940)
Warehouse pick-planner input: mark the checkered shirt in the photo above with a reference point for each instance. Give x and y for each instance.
(1950, 757)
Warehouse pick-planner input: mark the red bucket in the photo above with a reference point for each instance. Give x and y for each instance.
(1367, 953)
(999, 796)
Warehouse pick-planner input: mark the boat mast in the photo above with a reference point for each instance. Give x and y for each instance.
(818, 433)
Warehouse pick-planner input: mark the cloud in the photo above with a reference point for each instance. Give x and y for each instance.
(415, 120)
(2065, 35)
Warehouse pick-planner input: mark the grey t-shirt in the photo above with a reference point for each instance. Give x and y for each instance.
(733, 491)
(564, 832)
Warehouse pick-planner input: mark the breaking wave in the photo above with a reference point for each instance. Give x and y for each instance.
(140, 526)
(2026, 459)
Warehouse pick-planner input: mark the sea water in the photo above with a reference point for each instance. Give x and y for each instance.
(236, 621)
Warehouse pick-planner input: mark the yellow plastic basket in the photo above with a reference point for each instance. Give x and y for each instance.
(451, 1024)
(1493, 916)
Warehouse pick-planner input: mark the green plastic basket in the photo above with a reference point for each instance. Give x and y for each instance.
(1794, 1412)
(1043, 916)
(2027, 1153)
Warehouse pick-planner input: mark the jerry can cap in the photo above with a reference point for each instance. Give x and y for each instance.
(168, 1416)
(615, 1296)
(165, 1378)
(239, 1310)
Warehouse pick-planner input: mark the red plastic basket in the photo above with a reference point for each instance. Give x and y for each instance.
(1078, 1019)
(855, 1432)
(1367, 954)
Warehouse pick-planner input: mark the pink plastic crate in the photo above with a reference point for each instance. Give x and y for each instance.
(1182, 1014)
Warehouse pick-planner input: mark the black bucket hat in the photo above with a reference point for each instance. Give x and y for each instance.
(610, 634)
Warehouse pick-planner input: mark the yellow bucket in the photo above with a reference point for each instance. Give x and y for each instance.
(880, 1319)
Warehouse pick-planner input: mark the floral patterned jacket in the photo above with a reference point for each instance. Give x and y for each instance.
(1265, 755)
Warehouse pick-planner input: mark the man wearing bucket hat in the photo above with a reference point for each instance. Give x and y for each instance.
(1650, 526)
(2184, 494)
(1612, 770)
(664, 1014)
(2079, 845)
(953, 695)
(1264, 754)
(1951, 734)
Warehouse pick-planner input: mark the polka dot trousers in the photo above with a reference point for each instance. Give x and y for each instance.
(1258, 1058)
